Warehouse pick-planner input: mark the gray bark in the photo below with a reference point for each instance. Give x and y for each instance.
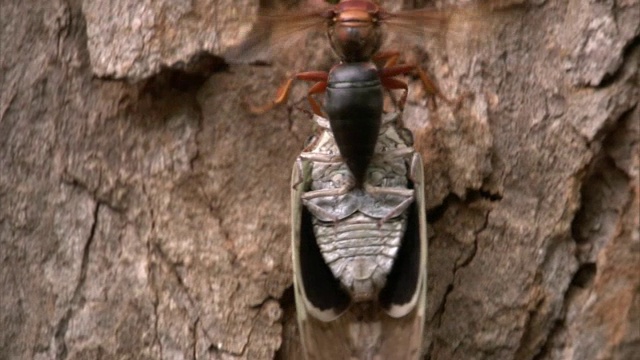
(144, 211)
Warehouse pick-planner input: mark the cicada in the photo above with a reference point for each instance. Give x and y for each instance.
(360, 250)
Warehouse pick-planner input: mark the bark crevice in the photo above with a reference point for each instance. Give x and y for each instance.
(60, 345)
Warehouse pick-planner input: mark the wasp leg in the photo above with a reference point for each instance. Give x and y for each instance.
(390, 70)
(283, 91)
(431, 88)
(317, 88)
(391, 83)
(390, 58)
(320, 77)
(281, 95)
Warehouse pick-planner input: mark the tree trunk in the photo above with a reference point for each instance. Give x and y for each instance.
(144, 212)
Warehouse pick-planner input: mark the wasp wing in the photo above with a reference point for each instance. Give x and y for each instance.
(277, 30)
(452, 22)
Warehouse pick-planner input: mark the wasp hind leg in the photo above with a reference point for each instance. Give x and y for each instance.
(390, 69)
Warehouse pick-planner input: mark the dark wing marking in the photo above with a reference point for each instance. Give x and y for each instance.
(399, 295)
(321, 289)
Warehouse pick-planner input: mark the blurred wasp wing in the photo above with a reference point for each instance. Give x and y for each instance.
(458, 22)
(276, 30)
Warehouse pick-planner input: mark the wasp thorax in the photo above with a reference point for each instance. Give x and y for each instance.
(355, 35)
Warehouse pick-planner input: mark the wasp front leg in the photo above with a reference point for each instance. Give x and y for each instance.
(320, 77)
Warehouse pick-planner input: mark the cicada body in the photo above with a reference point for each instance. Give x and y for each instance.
(360, 250)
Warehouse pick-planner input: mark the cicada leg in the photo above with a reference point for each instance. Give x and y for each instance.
(326, 192)
(408, 194)
(321, 158)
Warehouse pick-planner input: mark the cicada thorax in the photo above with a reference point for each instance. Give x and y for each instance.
(353, 103)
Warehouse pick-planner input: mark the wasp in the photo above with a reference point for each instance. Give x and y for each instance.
(354, 87)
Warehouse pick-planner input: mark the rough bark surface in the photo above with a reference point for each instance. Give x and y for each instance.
(144, 212)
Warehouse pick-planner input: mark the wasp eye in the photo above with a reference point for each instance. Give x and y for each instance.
(329, 14)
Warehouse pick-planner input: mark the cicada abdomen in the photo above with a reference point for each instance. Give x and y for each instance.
(360, 250)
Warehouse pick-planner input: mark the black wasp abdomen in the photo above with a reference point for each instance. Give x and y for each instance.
(353, 103)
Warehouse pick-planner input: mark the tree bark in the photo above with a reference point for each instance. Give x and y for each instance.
(144, 212)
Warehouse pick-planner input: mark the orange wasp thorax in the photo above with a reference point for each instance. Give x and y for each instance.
(354, 31)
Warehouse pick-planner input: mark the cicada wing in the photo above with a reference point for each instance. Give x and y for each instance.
(402, 338)
(364, 331)
(402, 289)
(318, 294)
(325, 340)
(404, 296)
(324, 297)
(404, 284)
